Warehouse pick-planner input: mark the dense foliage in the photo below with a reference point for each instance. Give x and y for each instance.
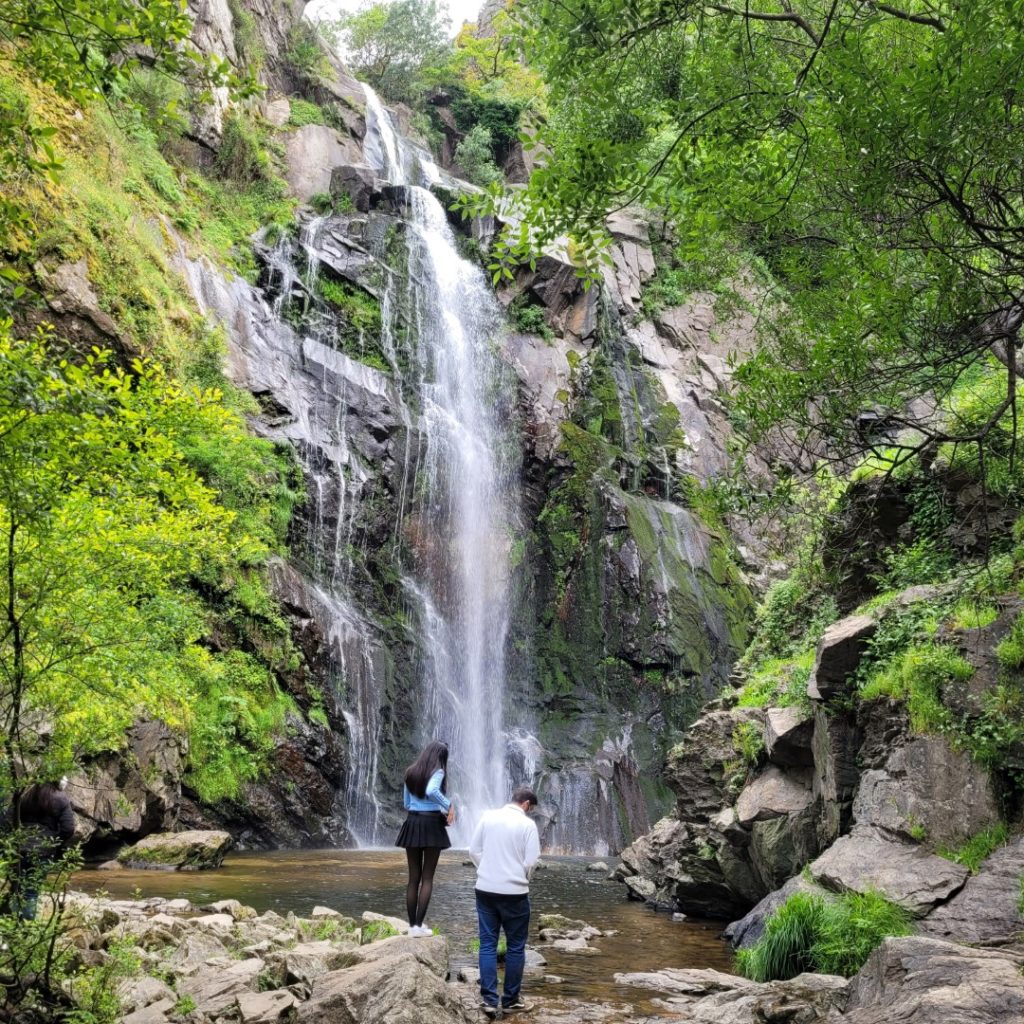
(116, 494)
(868, 152)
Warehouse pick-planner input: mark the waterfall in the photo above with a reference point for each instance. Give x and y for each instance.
(462, 517)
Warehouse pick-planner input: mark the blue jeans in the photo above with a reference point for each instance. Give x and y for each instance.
(495, 911)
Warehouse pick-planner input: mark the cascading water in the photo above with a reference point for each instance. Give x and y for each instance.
(460, 522)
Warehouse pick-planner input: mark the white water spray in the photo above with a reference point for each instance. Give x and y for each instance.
(463, 518)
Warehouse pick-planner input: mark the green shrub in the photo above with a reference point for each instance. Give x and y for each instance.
(530, 319)
(974, 615)
(778, 682)
(977, 848)
(1010, 651)
(1020, 896)
(784, 949)
(475, 156)
(307, 54)
(242, 156)
(852, 927)
(828, 935)
(748, 742)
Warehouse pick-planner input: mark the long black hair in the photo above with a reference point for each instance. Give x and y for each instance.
(40, 802)
(433, 756)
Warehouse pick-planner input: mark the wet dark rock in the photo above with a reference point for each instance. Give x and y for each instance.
(837, 739)
(357, 181)
(120, 799)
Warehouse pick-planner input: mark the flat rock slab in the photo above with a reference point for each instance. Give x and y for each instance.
(805, 999)
(917, 980)
(155, 1013)
(985, 909)
(902, 872)
(216, 988)
(265, 1007)
(683, 981)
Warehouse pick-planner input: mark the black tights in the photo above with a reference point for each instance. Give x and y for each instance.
(422, 865)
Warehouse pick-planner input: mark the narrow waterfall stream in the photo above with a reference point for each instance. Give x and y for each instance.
(460, 519)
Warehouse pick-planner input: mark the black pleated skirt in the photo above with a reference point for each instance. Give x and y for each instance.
(424, 828)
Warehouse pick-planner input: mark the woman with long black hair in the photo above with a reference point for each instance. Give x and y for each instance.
(423, 835)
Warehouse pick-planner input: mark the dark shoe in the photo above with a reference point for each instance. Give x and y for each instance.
(490, 1011)
(519, 1006)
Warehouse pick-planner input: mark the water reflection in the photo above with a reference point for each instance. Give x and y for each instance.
(352, 881)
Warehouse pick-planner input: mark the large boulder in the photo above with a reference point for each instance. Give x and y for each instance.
(311, 154)
(215, 988)
(916, 980)
(904, 873)
(987, 908)
(124, 797)
(788, 733)
(355, 180)
(395, 981)
(839, 653)
(927, 784)
(773, 794)
(196, 850)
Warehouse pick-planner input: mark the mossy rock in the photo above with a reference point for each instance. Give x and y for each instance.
(373, 931)
(198, 850)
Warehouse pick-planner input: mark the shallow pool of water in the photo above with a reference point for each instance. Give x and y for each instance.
(352, 881)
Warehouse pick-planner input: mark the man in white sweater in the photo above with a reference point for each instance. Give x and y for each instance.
(505, 848)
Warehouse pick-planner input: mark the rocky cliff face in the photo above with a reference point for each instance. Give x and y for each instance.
(631, 606)
(845, 790)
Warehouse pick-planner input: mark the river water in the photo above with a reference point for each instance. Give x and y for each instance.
(352, 881)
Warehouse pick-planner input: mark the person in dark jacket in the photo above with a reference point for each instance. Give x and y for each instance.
(48, 826)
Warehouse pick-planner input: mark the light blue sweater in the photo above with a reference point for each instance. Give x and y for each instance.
(434, 800)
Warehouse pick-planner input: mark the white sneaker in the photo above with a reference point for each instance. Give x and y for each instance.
(414, 930)
(423, 931)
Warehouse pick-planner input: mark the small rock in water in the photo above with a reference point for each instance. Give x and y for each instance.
(678, 917)
(598, 865)
(552, 979)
